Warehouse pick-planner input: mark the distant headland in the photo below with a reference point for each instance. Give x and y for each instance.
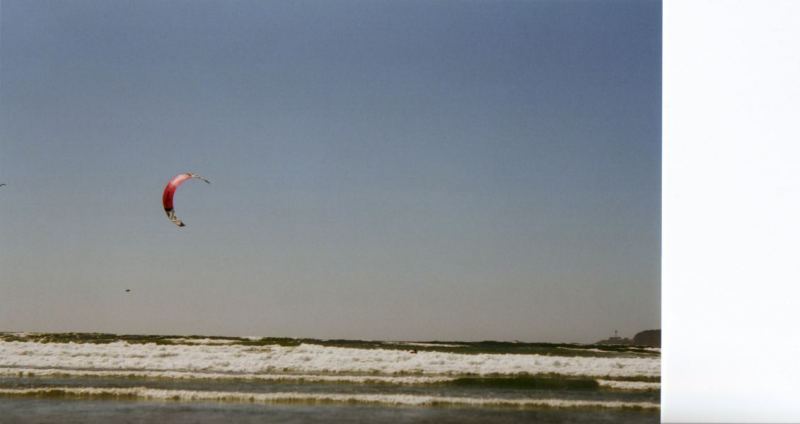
(651, 338)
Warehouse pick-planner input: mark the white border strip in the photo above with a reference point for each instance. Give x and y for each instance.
(731, 211)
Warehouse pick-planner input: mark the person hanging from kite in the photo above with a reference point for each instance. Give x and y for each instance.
(169, 192)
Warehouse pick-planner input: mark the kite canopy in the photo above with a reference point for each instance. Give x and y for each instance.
(169, 192)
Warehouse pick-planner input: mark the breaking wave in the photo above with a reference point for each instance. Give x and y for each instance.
(181, 375)
(521, 381)
(311, 359)
(630, 385)
(144, 393)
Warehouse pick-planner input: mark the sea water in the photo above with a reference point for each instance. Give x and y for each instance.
(101, 378)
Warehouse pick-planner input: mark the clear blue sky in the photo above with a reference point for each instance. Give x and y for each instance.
(391, 170)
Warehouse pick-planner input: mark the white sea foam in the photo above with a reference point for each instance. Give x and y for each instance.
(296, 397)
(188, 375)
(629, 385)
(585, 349)
(308, 359)
(298, 378)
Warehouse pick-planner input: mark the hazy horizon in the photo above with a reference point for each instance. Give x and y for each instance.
(454, 170)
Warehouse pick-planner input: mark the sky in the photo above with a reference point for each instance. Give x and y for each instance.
(413, 170)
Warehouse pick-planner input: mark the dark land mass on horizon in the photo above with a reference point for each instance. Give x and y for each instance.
(648, 338)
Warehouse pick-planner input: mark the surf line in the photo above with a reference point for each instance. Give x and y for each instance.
(316, 398)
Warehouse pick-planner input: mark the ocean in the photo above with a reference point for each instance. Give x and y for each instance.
(94, 378)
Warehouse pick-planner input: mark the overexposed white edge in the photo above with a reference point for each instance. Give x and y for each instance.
(731, 211)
